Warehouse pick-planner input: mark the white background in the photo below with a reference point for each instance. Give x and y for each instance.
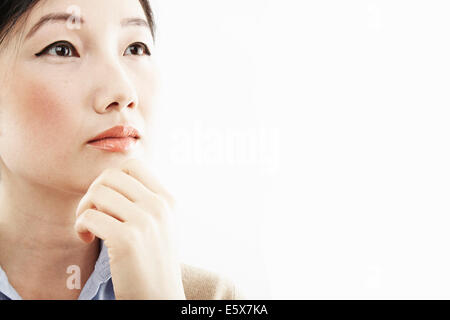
(335, 178)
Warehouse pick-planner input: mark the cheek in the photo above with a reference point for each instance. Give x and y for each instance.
(42, 112)
(38, 132)
(42, 106)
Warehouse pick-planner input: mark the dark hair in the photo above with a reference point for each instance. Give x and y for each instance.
(12, 10)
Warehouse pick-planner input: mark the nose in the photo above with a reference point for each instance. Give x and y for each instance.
(114, 89)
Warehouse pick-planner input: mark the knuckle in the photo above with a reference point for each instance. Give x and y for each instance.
(102, 188)
(105, 175)
(96, 195)
(101, 191)
(86, 215)
(95, 189)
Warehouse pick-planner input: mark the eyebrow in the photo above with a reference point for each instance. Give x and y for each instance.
(64, 17)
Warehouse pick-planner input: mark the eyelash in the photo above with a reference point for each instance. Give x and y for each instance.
(72, 48)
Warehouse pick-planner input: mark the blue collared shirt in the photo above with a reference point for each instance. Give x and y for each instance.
(99, 285)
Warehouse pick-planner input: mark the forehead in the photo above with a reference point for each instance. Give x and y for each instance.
(98, 11)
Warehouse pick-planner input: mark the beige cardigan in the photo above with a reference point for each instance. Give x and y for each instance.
(201, 284)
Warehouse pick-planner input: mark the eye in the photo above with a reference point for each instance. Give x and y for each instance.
(139, 49)
(59, 49)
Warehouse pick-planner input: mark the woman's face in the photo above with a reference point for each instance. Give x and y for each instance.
(98, 76)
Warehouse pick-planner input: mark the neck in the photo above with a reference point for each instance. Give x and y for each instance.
(37, 237)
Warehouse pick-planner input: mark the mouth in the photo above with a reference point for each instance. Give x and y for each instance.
(113, 139)
(114, 144)
(117, 139)
(119, 131)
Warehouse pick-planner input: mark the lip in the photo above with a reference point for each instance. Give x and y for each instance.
(119, 131)
(114, 144)
(116, 139)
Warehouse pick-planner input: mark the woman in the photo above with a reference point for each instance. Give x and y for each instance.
(81, 217)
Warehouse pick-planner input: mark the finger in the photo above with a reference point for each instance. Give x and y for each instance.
(139, 171)
(96, 223)
(107, 200)
(123, 183)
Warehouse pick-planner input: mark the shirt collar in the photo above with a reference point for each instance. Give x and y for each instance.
(102, 268)
(99, 276)
(6, 288)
